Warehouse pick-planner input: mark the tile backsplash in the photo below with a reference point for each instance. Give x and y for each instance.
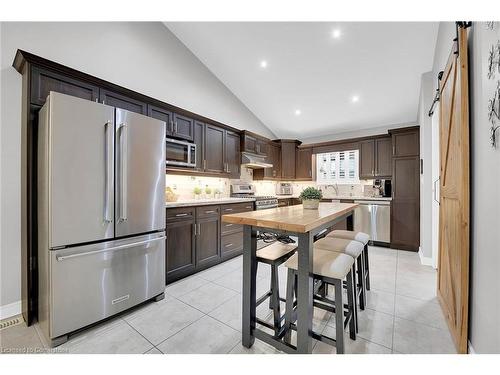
(183, 186)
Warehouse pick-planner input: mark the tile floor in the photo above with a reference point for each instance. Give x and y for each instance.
(202, 314)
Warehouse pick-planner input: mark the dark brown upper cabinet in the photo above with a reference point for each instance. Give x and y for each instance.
(115, 99)
(375, 158)
(273, 157)
(383, 157)
(199, 141)
(43, 81)
(288, 158)
(405, 143)
(254, 143)
(367, 159)
(233, 156)
(183, 127)
(304, 164)
(215, 161)
(162, 114)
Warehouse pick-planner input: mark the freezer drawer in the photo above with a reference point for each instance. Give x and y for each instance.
(90, 283)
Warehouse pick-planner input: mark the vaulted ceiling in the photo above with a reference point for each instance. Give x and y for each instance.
(305, 79)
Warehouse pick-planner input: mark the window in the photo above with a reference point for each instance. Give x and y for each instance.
(337, 167)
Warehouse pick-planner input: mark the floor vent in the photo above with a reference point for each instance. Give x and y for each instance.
(11, 322)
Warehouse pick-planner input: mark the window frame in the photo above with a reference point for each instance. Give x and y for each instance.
(342, 162)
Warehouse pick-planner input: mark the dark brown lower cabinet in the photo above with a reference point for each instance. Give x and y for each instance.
(197, 238)
(180, 257)
(207, 241)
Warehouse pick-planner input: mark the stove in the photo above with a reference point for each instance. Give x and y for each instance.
(262, 202)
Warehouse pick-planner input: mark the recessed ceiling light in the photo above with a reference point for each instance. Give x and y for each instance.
(298, 112)
(355, 99)
(263, 64)
(336, 33)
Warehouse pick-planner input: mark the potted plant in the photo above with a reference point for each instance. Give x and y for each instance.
(197, 192)
(310, 197)
(208, 191)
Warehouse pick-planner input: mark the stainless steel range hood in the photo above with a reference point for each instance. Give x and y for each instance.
(254, 161)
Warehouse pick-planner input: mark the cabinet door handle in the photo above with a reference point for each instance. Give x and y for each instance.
(228, 245)
(194, 229)
(180, 215)
(229, 225)
(205, 164)
(199, 229)
(228, 209)
(249, 207)
(175, 127)
(209, 212)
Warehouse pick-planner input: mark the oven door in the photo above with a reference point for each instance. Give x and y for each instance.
(180, 153)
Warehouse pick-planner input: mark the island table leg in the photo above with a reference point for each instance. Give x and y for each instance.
(305, 294)
(249, 285)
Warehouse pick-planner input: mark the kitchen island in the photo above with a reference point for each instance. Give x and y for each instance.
(293, 221)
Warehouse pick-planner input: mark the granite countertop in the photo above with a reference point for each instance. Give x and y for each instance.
(206, 202)
(366, 198)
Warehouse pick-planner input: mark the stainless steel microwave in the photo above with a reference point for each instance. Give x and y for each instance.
(180, 153)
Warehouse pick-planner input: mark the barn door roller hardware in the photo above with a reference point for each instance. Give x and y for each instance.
(437, 96)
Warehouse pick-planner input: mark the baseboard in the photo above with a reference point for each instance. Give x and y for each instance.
(471, 349)
(425, 261)
(10, 310)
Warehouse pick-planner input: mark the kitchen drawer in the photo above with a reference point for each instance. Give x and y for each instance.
(231, 244)
(207, 211)
(234, 208)
(227, 228)
(180, 213)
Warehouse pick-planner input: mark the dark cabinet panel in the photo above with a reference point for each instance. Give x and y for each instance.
(214, 149)
(367, 159)
(233, 157)
(405, 182)
(406, 143)
(405, 205)
(183, 127)
(43, 81)
(405, 224)
(304, 164)
(383, 157)
(180, 248)
(284, 202)
(231, 245)
(273, 157)
(207, 241)
(199, 140)
(295, 201)
(288, 160)
(163, 115)
(250, 144)
(261, 147)
(121, 101)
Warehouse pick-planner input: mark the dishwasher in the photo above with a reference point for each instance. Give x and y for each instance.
(373, 217)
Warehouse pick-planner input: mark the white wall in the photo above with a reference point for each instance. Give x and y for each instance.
(145, 57)
(427, 90)
(484, 326)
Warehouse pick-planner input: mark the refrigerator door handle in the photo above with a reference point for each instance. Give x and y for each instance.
(115, 248)
(109, 171)
(123, 171)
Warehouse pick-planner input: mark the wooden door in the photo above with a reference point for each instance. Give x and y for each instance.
(453, 266)
(304, 167)
(383, 157)
(367, 159)
(233, 156)
(214, 149)
(183, 127)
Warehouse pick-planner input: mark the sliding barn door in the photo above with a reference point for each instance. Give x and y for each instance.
(453, 273)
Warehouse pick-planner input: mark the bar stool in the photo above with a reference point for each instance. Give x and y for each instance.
(274, 255)
(360, 237)
(332, 268)
(355, 250)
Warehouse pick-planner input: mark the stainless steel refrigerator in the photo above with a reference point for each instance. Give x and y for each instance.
(101, 212)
